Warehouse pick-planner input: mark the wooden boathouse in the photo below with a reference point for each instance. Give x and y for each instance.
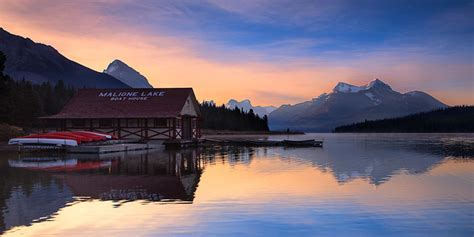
(158, 113)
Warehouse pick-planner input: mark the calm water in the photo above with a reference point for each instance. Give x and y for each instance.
(357, 185)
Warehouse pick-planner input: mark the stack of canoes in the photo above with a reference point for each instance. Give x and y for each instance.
(61, 138)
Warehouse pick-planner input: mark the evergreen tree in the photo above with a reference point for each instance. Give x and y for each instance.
(22, 102)
(4, 91)
(452, 119)
(222, 118)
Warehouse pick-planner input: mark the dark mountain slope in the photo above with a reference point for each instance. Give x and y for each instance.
(40, 63)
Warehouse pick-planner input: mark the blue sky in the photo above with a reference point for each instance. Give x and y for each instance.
(314, 28)
(301, 48)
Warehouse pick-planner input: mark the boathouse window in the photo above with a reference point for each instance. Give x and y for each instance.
(95, 123)
(160, 122)
(132, 123)
(178, 122)
(105, 123)
(123, 122)
(78, 123)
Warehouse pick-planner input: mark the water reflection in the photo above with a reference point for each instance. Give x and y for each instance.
(238, 186)
(35, 187)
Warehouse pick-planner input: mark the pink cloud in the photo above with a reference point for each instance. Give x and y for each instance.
(93, 35)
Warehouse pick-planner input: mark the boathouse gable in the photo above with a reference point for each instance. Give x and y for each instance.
(191, 107)
(158, 113)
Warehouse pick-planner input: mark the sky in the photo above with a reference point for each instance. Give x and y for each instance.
(269, 51)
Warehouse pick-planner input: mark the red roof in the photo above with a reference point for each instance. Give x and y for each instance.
(126, 103)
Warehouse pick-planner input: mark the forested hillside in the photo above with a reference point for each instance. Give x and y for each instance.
(222, 118)
(453, 119)
(22, 102)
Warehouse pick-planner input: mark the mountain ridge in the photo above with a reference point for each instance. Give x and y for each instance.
(348, 104)
(38, 63)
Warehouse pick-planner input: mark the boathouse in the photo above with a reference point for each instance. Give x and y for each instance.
(166, 113)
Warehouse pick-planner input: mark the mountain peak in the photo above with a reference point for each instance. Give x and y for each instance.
(246, 106)
(127, 74)
(118, 62)
(343, 87)
(377, 83)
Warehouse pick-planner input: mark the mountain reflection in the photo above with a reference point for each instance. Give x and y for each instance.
(36, 188)
(372, 159)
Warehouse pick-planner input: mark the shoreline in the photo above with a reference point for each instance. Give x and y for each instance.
(207, 132)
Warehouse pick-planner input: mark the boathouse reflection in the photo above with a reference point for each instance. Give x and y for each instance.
(37, 187)
(158, 176)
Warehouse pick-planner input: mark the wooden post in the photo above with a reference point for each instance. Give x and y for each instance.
(146, 128)
(118, 128)
(169, 125)
(174, 128)
(182, 123)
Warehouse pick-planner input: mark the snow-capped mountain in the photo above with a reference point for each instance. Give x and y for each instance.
(127, 75)
(348, 104)
(209, 102)
(343, 87)
(246, 105)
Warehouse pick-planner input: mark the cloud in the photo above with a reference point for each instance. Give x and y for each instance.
(269, 52)
(279, 96)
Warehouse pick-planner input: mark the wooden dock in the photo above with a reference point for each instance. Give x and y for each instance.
(124, 147)
(178, 144)
(93, 148)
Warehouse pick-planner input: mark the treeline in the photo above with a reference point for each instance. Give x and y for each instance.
(222, 118)
(22, 102)
(449, 120)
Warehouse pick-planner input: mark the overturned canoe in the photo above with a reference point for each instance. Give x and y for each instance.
(60, 139)
(43, 141)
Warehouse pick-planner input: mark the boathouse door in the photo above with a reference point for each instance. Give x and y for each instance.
(187, 128)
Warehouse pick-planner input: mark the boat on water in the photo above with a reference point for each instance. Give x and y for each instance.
(255, 143)
(302, 143)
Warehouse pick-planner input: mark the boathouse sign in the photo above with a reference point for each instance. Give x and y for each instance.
(130, 95)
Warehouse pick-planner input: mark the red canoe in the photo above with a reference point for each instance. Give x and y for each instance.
(85, 136)
(78, 139)
(93, 136)
(79, 136)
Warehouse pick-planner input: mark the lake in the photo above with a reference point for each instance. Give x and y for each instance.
(356, 185)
